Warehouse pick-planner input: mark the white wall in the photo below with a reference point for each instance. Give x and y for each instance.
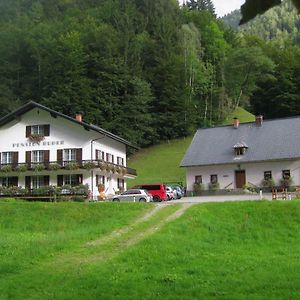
(64, 134)
(254, 173)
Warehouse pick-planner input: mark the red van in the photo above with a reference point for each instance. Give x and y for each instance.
(158, 191)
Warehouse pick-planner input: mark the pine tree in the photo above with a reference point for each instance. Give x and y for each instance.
(201, 5)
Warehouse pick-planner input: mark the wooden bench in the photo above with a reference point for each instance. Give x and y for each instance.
(279, 194)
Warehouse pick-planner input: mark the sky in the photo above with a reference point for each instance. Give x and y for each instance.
(226, 6)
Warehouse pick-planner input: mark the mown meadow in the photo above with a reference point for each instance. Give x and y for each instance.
(214, 251)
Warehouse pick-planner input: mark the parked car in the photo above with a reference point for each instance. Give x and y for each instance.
(158, 191)
(170, 193)
(133, 195)
(178, 191)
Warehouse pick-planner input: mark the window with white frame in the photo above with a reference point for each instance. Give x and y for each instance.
(69, 155)
(6, 158)
(70, 179)
(37, 182)
(120, 161)
(37, 156)
(100, 155)
(109, 158)
(38, 129)
(121, 184)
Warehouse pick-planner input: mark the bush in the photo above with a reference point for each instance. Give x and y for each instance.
(250, 188)
(54, 167)
(89, 165)
(21, 168)
(6, 168)
(71, 166)
(38, 168)
(198, 187)
(268, 183)
(213, 187)
(286, 182)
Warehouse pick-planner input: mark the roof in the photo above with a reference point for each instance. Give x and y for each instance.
(31, 105)
(276, 139)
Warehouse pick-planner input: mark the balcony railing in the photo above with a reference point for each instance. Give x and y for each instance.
(67, 165)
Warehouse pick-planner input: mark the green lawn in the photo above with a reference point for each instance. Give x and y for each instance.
(246, 250)
(32, 232)
(160, 163)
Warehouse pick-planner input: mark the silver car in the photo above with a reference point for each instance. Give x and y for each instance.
(133, 195)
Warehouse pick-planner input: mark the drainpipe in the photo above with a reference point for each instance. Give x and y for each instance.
(92, 171)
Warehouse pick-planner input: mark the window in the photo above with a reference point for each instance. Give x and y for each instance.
(286, 174)
(100, 179)
(69, 155)
(120, 161)
(71, 179)
(37, 182)
(240, 151)
(10, 181)
(198, 179)
(38, 130)
(100, 155)
(6, 158)
(37, 156)
(109, 158)
(214, 178)
(120, 183)
(267, 175)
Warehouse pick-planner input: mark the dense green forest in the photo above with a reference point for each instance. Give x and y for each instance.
(277, 33)
(147, 70)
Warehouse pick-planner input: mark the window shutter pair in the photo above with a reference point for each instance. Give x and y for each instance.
(28, 181)
(60, 179)
(46, 130)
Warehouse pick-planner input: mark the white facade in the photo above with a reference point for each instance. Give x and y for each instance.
(254, 173)
(63, 134)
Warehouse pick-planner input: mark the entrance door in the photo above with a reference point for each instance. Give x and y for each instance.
(240, 179)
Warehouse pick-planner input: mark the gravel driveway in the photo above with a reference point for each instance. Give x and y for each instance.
(223, 198)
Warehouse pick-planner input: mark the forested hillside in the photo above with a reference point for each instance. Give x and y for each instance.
(279, 23)
(147, 70)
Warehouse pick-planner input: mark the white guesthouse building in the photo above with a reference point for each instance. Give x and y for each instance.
(41, 147)
(244, 154)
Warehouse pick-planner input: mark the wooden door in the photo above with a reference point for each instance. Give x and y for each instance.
(240, 179)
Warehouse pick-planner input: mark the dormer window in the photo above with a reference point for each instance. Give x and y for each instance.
(240, 148)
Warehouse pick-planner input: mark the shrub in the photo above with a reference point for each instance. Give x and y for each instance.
(21, 168)
(89, 165)
(77, 199)
(250, 188)
(286, 182)
(198, 187)
(213, 187)
(6, 168)
(38, 168)
(54, 167)
(71, 166)
(268, 183)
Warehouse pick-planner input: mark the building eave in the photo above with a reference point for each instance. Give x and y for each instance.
(31, 105)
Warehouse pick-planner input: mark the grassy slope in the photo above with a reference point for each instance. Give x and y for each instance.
(161, 163)
(30, 232)
(224, 250)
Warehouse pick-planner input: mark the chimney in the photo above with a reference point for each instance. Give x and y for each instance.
(259, 120)
(78, 117)
(236, 123)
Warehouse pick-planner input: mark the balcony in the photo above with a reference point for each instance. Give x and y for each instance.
(67, 165)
